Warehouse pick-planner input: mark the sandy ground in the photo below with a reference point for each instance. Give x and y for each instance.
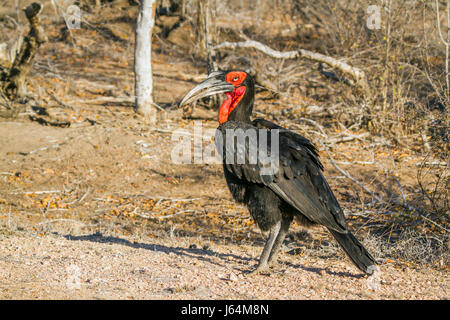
(102, 267)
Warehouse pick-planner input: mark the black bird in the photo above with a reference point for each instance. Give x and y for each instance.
(297, 189)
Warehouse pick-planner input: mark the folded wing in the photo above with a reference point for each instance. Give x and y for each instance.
(298, 180)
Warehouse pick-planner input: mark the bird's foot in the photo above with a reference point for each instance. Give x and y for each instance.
(260, 269)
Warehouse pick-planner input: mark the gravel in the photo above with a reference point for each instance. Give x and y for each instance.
(100, 267)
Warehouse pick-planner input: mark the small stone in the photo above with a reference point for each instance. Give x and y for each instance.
(232, 277)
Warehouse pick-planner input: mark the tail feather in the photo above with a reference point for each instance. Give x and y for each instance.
(356, 252)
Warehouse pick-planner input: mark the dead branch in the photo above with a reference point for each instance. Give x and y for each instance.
(40, 120)
(347, 138)
(57, 145)
(14, 82)
(59, 102)
(345, 173)
(402, 204)
(107, 100)
(318, 126)
(436, 224)
(164, 217)
(37, 192)
(432, 163)
(63, 220)
(356, 73)
(189, 77)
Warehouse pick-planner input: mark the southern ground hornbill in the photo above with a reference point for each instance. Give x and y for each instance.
(297, 189)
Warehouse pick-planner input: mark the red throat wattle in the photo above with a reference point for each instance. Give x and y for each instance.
(230, 103)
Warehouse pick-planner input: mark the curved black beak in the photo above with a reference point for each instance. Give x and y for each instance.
(214, 84)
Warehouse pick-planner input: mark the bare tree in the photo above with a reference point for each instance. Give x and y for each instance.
(205, 48)
(209, 35)
(205, 34)
(13, 84)
(445, 42)
(200, 33)
(142, 61)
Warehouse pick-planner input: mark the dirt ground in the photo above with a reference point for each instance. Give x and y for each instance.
(92, 207)
(106, 267)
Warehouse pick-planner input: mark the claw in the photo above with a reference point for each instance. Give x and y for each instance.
(260, 269)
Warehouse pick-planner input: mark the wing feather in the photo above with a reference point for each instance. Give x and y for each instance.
(299, 180)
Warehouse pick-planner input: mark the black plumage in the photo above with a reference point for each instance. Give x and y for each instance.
(297, 189)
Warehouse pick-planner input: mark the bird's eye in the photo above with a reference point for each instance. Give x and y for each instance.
(235, 77)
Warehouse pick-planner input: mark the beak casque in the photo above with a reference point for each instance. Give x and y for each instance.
(214, 84)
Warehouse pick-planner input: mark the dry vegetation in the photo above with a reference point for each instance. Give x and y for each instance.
(77, 162)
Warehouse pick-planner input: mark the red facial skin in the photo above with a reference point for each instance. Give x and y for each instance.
(234, 97)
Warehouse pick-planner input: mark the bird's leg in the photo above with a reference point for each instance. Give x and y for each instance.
(285, 224)
(262, 264)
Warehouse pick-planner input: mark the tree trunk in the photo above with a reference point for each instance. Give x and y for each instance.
(209, 46)
(209, 35)
(13, 85)
(205, 35)
(142, 61)
(200, 34)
